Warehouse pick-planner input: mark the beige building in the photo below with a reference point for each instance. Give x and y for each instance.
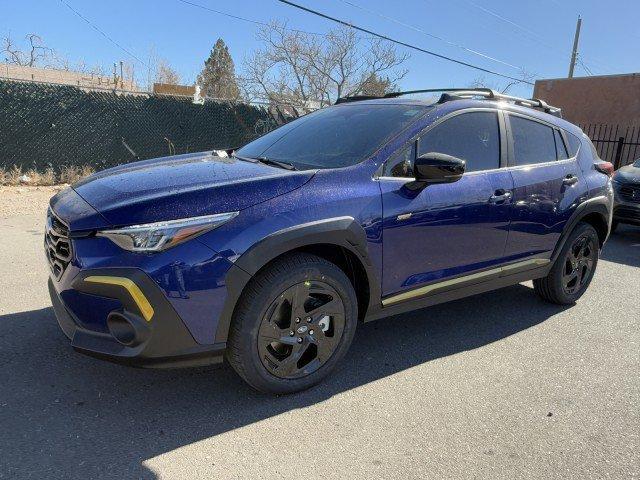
(607, 108)
(64, 77)
(606, 99)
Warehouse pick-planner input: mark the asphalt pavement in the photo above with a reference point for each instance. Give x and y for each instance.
(500, 385)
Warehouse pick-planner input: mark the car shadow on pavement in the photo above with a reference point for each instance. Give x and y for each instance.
(65, 415)
(623, 246)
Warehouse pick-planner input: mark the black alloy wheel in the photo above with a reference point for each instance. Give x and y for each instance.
(573, 269)
(579, 263)
(293, 324)
(301, 329)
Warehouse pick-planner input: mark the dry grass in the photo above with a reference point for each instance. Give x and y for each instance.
(16, 176)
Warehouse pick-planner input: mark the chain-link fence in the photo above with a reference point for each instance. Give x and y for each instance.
(46, 125)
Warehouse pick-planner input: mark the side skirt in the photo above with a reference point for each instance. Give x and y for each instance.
(459, 291)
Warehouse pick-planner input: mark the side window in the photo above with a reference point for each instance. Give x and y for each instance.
(561, 150)
(473, 136)
(533, 142)
(594, 152)
(401, 163)
(574, 144)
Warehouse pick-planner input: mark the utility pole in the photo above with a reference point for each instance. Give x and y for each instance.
(574, 52)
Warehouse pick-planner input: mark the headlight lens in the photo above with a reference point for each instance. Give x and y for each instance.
(155, 237)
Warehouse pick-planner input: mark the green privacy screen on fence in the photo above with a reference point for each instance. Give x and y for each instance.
(44, 125)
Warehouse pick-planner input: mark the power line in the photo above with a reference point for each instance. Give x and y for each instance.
(101, 32)
(448, 42)
(532, 35)
(248, 20)
(398, 42)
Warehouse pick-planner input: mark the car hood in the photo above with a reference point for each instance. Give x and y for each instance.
(183, 186)
(628, 174)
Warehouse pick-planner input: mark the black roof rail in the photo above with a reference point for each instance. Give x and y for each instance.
(449, 94)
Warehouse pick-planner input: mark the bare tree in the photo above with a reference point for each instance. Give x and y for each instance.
(166, 74)
(35, 53)
(523, 77)
(305, 69)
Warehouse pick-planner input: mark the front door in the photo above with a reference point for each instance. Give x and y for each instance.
(438, 232)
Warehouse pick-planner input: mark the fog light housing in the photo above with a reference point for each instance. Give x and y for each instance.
(128, 329)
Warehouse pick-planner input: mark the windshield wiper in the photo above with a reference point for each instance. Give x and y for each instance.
(246, 159)
(266, 161)
(276, 163)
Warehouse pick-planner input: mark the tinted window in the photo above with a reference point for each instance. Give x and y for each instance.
(561, 150)
(574, 144)
(474, 137)
(401, 163)
(533, 142)
(335, 136)
(594, 152)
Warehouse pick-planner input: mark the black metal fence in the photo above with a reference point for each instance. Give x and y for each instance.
(46, 125)
(614, 143)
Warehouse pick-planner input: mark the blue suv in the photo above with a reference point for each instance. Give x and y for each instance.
(271, 254)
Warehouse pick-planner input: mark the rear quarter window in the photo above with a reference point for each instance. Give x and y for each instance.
(573, 144)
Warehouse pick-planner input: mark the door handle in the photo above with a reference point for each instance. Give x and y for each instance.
(500, 196)
(570, 179)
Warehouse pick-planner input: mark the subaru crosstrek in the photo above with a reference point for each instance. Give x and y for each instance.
(269, 255)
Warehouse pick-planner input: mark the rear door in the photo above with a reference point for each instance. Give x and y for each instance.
(547, 182)
(437, 232)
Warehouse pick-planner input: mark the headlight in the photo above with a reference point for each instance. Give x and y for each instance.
(154, 237)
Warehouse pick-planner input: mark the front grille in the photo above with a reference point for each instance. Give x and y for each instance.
(57, 245)
(630, 193)
(630, 213)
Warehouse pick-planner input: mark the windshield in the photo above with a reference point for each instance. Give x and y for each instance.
(334, 137)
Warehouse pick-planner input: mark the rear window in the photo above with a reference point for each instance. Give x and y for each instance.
(533, 142)
(336, 136)
(561, 149)
(574, 144)
(594, 152)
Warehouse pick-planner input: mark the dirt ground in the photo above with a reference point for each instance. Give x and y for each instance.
(16, 201)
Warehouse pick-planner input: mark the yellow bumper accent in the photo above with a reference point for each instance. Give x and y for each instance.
(141, 301)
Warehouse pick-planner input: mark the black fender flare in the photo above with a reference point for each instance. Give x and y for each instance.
(599, 205)
(343, 232)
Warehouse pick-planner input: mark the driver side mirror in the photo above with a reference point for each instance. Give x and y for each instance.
(434, 167)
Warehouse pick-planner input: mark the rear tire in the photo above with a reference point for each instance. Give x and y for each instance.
(573, 270)
(293, 324)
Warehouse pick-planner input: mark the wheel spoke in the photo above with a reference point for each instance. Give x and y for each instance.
(568, 279)
(333, 307)
(289, 365)
(271, 331)
(326, 346)
(297, 297)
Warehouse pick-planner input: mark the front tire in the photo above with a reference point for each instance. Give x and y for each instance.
(573, 270)
(294, 323)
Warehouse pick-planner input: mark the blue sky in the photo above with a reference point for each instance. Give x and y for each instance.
(536, 35)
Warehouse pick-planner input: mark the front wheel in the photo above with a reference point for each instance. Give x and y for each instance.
(294, 323)
(573, 270)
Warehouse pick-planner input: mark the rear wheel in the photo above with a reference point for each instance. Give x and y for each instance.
(294, 323)
(573, 270)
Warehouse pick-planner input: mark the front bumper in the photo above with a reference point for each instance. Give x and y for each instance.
(627, 212)
(159, 338)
